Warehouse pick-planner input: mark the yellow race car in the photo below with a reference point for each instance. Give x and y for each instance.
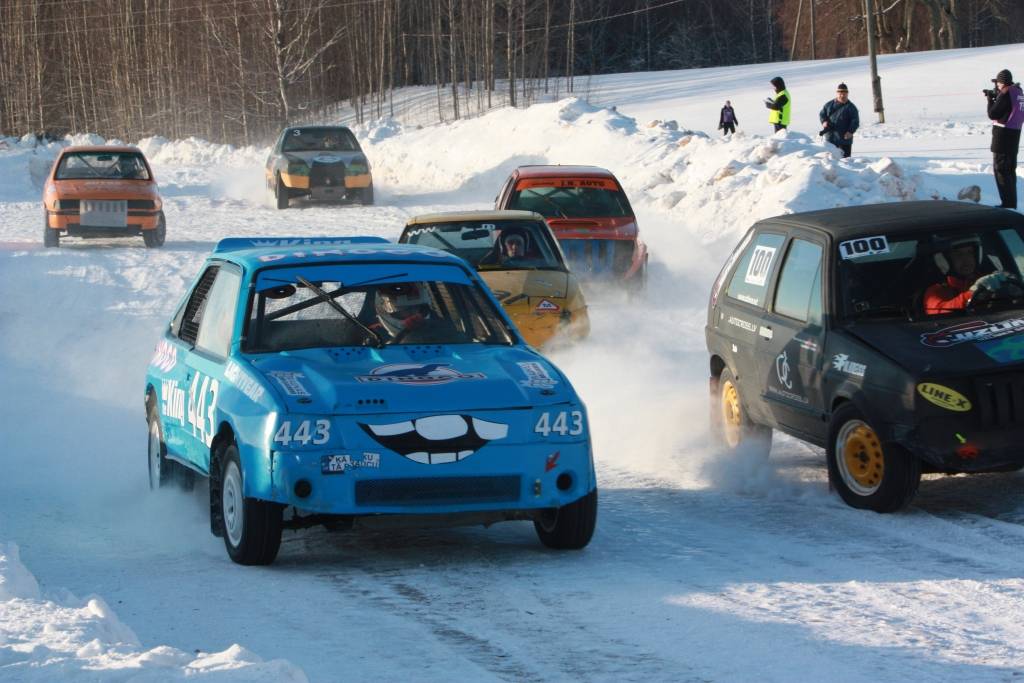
(519, 258)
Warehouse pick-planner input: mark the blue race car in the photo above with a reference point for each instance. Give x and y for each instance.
(350, 381)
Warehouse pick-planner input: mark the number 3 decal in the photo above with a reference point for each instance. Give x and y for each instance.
(564, 423)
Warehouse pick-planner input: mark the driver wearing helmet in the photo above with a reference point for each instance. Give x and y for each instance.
(401, 307)
(963, 279)
(510, 247)
(128, 167)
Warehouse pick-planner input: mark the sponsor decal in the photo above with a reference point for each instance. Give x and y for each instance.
(601, 183)
(437, 439)
(752, 300)
(243, 381)
(165, 356)
(172, 401)
(546, 306)
(842, 363)
(537, 375)
(338, 464)
(863, 246)
(807, 344)
(974, 331)
(359, 251)
(742, 324)
(789, 395)
(327, 159)
(290, 382)
(1005, 350)
(782, 370)
(944, 397)
(417, 375)
(552, 462)
(765, 332)
(760, 265)
(203, 393)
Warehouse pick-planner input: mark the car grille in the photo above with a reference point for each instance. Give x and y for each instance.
(331, 175)
(1000, 400)
(437, 490)
(598, 257)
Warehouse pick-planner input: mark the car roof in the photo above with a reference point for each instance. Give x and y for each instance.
(559, 171)
(102, 148)
(455, 216)
(318, 127)
(257, 252)
(897, 217)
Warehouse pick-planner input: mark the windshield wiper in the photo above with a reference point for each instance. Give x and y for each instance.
(340, 309)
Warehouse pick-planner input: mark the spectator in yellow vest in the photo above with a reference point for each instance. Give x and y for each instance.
(779, 106)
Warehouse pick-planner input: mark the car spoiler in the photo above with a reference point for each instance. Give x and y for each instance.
(241, 243)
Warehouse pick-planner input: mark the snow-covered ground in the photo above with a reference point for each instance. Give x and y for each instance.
(702, 568)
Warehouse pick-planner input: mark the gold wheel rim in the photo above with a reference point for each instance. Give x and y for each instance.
(731, 416)
(860, 458)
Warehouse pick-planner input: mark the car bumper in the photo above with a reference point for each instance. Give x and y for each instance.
(68, 221)
(301, 182)
(956, 445)
(507, 478)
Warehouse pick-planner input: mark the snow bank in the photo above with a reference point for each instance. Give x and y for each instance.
(69, 639)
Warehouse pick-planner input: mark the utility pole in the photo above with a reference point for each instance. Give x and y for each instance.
(812, 30)
(796, 30)
(876, 82)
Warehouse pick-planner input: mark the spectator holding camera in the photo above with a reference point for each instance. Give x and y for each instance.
(1006, 109)
(840, 120)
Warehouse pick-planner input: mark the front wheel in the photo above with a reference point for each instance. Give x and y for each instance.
(866, 474)
(731, 428)
(569, 527)
(155, 238)
(366, 195)
(251, 528)
(51, 237)
(280, 194)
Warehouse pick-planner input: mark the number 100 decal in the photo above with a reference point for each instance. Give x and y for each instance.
(864, 246)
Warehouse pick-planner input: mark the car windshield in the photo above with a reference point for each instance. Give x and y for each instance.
(492, 245)
(319, 139)
(929, 274)
(287, 313)
(571, 198)
(109, 165)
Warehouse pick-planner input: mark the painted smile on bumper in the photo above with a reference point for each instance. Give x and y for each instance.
(437, 439)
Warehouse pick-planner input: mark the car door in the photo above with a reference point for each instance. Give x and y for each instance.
(210, 320)
(738, 315)
(790, 342)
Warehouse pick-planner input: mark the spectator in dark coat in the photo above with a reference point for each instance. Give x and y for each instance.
(727, 120)
(840, 120)
(1006, 109)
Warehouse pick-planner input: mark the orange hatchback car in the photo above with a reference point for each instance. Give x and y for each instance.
(101, 191)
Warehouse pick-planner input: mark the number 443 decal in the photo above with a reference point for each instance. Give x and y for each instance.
(564, 423)
(316, 431)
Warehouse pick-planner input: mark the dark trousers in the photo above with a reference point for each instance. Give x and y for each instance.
(1004, 167)
(728, 128)
(779, 126)
(847, 148)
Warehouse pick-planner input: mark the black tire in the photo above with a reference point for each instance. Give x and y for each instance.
(569, 527)
(155, 238)
(280, 194)
(366, 196)
(162, 471)
(866, 474)
(51, 237)
(731, 427)
(251, 528)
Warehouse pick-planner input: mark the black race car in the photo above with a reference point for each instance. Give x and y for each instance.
(890, 334)
(318, 162)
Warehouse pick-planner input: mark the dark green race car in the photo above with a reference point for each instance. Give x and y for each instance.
(322, 163)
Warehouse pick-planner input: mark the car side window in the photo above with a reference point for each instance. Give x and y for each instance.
(188, 329)
(749, 281)
(218, 317)
(793, 296)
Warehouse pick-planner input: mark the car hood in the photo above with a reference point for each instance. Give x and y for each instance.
(404, 379)
(946, 345)
(532, 283)
(621, 228)
(322, 156)
(105, 189)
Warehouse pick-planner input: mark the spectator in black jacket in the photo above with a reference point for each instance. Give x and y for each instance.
(1006, 109)
(840, 120)
(727, 120)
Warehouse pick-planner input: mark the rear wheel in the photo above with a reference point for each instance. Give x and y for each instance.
(251, 528)
(280, 194)
(155, 237)
(569, 527)
(866, 474)
(51, 237)
(163, 472)
(731, 428)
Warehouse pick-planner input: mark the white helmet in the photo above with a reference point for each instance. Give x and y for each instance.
(397, 303)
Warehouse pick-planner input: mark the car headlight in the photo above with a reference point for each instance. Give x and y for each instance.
(297, 168)
(358, 166)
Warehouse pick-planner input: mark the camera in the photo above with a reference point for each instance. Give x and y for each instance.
(990, 93)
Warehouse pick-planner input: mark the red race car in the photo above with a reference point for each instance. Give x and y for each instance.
(589, 214)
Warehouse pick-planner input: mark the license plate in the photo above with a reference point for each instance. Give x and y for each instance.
(334, 464)
(104, 213)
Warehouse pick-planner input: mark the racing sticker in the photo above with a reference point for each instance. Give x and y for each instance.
(338, 464)
(537, 375)
(417, 375)
(1005, 350)
(172, 401)
(546, 306)
(551, 462)
(760, 265)
(944, 397)
(782, 370)
(290, 382)
(974, 331)
(165, 356)
(437, 439)
(842, 363)
(243, 381)
(742, 324)
(863, 246)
